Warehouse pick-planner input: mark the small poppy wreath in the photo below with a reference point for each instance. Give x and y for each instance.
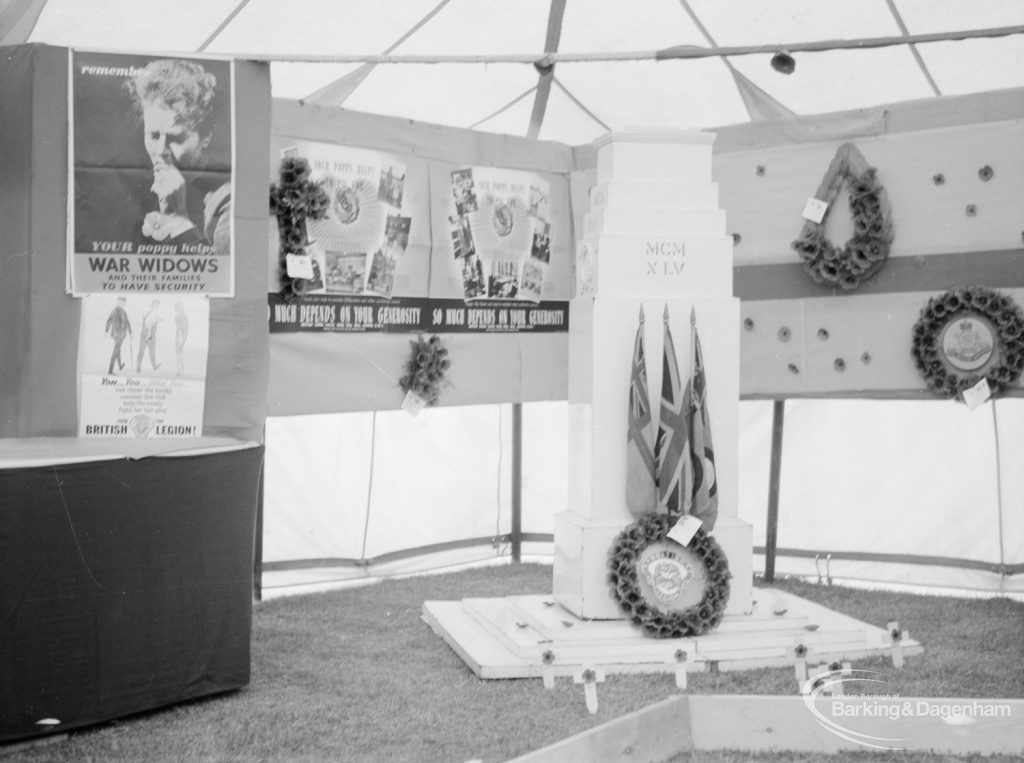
(624, 580)
(294, 199)
(966, 335)
(426, 368)
(866, 251)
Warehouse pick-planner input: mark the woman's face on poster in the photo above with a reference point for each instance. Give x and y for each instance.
(169, 140)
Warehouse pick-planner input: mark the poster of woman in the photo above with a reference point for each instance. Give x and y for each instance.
(151, 175)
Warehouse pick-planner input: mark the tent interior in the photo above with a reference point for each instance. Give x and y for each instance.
(847, 466)
(351, 482)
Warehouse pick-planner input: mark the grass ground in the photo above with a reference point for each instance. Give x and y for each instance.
(355, 675)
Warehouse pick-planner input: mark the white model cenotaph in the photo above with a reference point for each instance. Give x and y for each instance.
(654, 237)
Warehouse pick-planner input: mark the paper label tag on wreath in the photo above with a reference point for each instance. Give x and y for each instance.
(413, 403)
(976, 395)
(814, 210)
(682, 532)
(671, 576)
(299, 266)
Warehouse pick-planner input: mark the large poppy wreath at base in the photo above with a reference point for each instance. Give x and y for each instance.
(866, 251)
(647, 602)
(966, 335)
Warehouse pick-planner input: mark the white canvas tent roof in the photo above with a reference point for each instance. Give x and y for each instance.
(606, 73)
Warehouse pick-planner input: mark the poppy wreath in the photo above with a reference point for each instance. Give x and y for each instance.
(1000, 363)
(425, 369)
(294, 199)
(866, 251)
(623, 578)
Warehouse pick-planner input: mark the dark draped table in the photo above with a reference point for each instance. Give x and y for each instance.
(125, 585)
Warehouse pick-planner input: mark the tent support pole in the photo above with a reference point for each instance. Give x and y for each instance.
(772, 525)
(517, 482)
(257, 555)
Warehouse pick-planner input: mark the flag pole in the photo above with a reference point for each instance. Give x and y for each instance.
(693, 339)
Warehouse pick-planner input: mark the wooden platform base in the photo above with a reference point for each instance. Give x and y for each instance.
(533, 636)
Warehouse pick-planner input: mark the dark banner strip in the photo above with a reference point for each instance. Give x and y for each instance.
(935, 272)
(358, 313)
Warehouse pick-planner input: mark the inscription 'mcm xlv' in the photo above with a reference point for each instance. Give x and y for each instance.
(665, 258)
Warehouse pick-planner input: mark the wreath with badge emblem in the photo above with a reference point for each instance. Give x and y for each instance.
(966, 335)
(668, 590)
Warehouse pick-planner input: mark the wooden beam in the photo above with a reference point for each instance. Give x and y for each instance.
(683, 51)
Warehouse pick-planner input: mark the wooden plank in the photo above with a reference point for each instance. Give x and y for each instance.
(759, 723)
(876, 121)
(765, 190)
(791, 347)
(654, 733)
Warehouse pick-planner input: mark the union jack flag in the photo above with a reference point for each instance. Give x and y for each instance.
(640, 478)
(704, 491)
(675, 477)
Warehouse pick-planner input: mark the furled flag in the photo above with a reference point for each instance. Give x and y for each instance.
(702, 456)
(675, 477)
(640, 485)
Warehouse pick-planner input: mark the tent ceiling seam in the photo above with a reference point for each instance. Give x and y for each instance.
(365, 71)
(503, 109)
(223, 25)
(545, 72)
(741, 92)
(913, 48)
(579, 103)
(18, 19)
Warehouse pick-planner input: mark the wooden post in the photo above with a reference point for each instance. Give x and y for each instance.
(774, 477)
(517, 482)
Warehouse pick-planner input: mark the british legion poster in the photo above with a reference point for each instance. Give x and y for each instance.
(142, 365)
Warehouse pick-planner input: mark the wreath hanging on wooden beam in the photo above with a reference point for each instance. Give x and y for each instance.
(668, 590)
(966, 335)
(866, 251)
